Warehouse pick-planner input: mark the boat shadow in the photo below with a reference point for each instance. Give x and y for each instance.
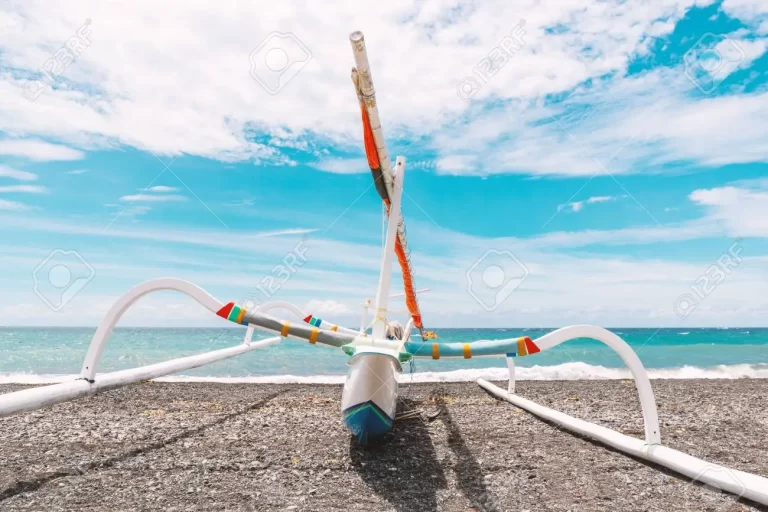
(469, 475)
(402, 467)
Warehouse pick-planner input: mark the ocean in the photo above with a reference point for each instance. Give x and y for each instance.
(42, 355)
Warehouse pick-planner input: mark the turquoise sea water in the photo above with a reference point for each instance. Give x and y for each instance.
(30, 353)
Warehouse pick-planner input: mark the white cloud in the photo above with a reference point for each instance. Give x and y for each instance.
(77, 171)
(635, 124)
(600, 199)
(327, 307)
(104, 101)
(752, 12)
(752, 50)
(134, 211)
(8, 172)
(153, 198)
(34, 149)
(457, 164)
(210, 238)
(30, 189)
(744, 211)
(629, 236)
(621, 125)
(577, 206)
(604, 290)
(12, 206)
(343, 165)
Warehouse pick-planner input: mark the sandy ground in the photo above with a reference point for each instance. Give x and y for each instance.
(283, 447)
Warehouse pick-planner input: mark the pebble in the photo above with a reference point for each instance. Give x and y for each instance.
(479, 454)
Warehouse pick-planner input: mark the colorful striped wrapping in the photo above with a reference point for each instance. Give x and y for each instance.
(511, 348)
(381, 166)
(233, 313)
(320, 324)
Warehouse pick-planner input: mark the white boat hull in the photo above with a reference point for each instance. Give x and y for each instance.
(369, 400)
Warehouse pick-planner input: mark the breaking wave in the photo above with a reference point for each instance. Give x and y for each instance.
(566, 371)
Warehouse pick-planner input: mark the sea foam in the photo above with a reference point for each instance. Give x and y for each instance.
(566, 371)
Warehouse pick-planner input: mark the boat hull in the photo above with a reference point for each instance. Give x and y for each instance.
(369, 400)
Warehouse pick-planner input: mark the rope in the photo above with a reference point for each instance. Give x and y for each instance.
(383, 226)
(403, 258)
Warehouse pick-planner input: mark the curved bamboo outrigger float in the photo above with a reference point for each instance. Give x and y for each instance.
(370, 392)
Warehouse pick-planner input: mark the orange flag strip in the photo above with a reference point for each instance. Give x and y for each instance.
(380, 164)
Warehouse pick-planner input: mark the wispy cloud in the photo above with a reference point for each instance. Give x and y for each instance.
(134, 210)
(743, 210)
(604, 95)
(327, 307)
(577, 206)
(157, 194)
(12, 206)
(38, 150)
(8, 172)
(457, 164)
(630, 236)
(553, 295)
(29, 189)
(343, 165)
(437, 51)
(243, 240)
(507, 128)
(162, 188)
(623, 125)
(150, 198)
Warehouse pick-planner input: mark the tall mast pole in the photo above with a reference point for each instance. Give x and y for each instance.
(384, 177)
(385, 275)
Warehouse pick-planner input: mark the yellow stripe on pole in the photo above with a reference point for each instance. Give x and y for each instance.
(435, 351)
(522, 350)
(467, 351)
(314, 335)
(240, 316)
(284, 331)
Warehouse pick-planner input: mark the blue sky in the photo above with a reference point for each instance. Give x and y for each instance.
(608, 155)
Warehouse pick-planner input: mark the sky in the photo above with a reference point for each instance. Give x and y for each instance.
(568, 162)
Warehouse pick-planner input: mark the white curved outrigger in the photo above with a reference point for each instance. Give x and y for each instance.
(740, 483)
(89, 383)
(639, 374)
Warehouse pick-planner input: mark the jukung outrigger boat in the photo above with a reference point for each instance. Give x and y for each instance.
(369, 397)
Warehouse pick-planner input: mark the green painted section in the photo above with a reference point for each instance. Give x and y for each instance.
(233, 314)
(365, 406)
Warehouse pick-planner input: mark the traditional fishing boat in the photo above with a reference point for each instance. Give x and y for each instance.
(376, 351)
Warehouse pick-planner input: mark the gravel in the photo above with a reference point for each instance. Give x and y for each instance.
(206, 446)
